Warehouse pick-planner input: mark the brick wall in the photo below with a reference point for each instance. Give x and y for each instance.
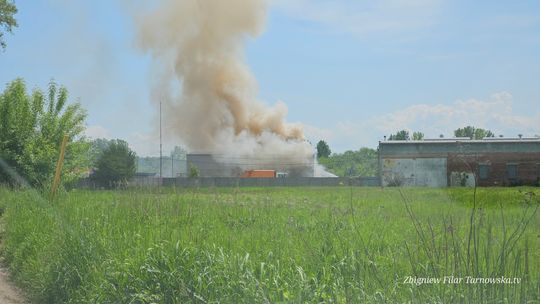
(527, 167)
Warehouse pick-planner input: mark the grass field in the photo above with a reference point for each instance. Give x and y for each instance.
(271, 245)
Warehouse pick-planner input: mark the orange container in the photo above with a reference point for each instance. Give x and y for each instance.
(259, 174)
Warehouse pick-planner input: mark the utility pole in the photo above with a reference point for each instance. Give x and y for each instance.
(172, 166)
(160, 147)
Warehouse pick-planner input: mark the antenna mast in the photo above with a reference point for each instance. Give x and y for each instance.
(160, 146)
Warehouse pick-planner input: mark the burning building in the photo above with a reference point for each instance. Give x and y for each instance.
(209, 165)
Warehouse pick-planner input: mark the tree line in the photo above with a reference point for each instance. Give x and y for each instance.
(468, 131)
(32, 126)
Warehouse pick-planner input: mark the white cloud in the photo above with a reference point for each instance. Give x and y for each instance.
(496, 114)
(364, 17)
(97, 131)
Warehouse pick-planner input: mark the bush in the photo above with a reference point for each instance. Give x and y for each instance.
(116, 165)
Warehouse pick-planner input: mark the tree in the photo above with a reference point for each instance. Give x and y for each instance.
(418, 136)
(97, 147)
(193, 171)
(323, 150)
(7, 21)
(401, 135)
(352, 163)
(31, 130)
(116, 164)
(473, 133)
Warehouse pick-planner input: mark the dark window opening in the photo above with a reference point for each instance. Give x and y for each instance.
(538, 174)
(512, 171)
(483, 171)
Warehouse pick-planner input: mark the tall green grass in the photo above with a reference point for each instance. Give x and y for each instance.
(314, 245)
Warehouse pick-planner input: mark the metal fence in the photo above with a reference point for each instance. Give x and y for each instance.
(186, 182)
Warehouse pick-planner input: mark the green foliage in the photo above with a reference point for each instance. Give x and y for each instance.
(97, 147)
(116, 164)
(323, 150)
(418, 136)
(400, 135)
(352, 163)
(7, 21)
(31, 130)
(193, 171)
(286, 245)
(473, 133)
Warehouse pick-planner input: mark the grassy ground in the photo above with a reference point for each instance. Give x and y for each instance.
(274, 245)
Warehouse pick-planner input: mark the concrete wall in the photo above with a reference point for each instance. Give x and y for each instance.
(209, 167)
(419, 172)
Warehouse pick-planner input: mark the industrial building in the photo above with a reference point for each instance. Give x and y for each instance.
(460, 162)
(215, 165)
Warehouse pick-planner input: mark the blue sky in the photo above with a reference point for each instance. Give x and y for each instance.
(350, 71)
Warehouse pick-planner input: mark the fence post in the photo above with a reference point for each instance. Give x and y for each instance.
(59, 166)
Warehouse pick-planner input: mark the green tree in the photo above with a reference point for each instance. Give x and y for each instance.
(473, 133)
(401, 135)
(97, 146)
(32, 127)
(323, 150)
(7, 21)
(352, 163)
(116, 164)
(193, 171)
(418, 136)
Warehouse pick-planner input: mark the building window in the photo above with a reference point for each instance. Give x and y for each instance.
(538, 171)
(512, 171)
(483, 171)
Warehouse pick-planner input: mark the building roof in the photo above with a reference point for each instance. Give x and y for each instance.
(463, 140)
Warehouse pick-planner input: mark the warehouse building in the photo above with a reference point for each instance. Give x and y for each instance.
(216, 165)
(460, 162)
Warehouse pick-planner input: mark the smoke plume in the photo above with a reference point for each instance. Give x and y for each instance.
(209, 95)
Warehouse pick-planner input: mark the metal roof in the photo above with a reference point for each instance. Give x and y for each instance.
(463, 140)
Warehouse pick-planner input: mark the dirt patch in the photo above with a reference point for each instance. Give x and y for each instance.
(9, 294)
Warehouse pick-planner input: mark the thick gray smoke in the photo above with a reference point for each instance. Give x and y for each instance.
(209, 95)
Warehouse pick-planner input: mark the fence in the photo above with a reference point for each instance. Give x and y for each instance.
(186, 182)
